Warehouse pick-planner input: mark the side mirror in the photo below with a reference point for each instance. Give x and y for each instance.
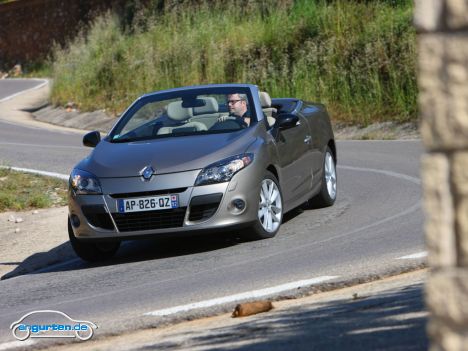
(92, 139)
(286, 121)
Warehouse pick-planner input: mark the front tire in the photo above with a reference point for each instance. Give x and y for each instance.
(92, 252)
(270, 209)
(328, 191)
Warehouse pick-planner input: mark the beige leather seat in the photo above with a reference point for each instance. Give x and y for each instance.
(270, 112)
(208, 114)
(211, 106)
(180, 116)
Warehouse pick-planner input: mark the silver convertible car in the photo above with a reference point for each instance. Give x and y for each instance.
(198, 159)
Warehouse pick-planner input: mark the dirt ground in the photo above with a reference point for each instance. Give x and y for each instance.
(38, 240)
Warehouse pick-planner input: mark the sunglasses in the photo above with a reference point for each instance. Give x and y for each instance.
(233, 102)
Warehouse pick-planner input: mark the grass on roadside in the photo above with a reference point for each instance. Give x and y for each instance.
(23, 191)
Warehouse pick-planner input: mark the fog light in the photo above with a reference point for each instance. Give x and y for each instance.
(75, 221)
(239, 204)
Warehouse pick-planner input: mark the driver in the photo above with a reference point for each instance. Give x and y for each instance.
(237, 104)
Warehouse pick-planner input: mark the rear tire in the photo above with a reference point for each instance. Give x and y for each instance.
(270, 209)
(328, 191)
(92, 251)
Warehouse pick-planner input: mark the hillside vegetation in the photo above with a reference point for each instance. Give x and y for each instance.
(357, 57)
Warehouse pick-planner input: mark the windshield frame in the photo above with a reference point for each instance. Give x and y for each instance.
(180, 93)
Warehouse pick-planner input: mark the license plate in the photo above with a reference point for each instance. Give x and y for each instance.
(153, 203)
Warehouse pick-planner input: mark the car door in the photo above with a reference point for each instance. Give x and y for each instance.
(310, 113)
(295, 160)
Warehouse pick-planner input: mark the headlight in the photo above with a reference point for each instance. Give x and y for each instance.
(223, 171)
(84, 183)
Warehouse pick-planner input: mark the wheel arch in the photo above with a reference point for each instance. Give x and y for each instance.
(273, 170)
(331, 144)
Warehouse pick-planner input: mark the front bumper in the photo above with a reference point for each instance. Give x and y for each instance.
(201, 208)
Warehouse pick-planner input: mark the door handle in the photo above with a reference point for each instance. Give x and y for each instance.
(307, 139)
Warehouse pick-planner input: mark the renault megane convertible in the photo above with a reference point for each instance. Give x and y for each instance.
(197, 159)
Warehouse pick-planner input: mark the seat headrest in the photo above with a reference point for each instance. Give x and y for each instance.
(265, 99)
(211, 106)
(176, 112)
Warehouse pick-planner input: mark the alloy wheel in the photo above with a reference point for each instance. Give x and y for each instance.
(330, 175)
(270, 208)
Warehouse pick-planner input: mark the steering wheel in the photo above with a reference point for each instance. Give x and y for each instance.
(230, 124)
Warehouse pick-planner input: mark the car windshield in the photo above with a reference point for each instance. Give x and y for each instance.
(186, 112)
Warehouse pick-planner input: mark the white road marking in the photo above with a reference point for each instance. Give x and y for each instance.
(389, 173)
(35, 171)
(242, 296)
(44, 82)
(15, 344)
(43, 145)
(413, 256)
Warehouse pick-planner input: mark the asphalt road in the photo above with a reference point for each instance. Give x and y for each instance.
(11, 87)
(376, 219)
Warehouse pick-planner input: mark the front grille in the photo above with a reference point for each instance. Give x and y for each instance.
(148, 193)
(150, 220)
(97, 216)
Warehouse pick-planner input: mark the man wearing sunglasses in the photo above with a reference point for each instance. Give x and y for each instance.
(237, 104)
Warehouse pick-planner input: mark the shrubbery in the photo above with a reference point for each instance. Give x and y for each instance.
(357, 57)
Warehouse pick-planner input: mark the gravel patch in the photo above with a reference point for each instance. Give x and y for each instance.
(33, 239)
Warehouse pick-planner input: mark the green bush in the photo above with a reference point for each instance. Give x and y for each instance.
(357, 57)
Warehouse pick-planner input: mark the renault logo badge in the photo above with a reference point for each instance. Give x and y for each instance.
(147, 173)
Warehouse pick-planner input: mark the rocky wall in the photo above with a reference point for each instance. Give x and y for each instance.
(443, 102)
(29, 28)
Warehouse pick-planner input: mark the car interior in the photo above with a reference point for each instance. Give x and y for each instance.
(203, 116)
(191, 119)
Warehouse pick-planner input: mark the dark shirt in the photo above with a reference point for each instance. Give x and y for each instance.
(241, 119)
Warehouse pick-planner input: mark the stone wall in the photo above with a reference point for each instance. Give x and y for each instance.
(28, 28)
(443, 102)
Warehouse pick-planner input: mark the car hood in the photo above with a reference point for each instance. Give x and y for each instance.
(165, 155)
